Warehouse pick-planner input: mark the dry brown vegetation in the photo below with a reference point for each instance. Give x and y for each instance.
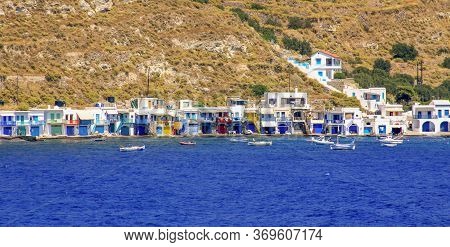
(194, 50)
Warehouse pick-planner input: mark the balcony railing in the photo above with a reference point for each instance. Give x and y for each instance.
(74, 122)
(8, 123)
(283, 119)
(37, 122)
(335, 121)
(425, 117)
(127, 121)
(54, 121)
(23, 123)
(113, 120)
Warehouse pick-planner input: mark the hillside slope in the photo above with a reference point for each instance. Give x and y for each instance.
(82, 51)
(361, 31)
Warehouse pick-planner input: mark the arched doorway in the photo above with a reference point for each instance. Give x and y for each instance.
(428, 127)
(353, 129)
(444, 127)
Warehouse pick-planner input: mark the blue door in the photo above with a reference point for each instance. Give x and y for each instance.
(317, 128)
(444, 127)
(159, 130)
(237, 128)
(367, 130)
(140, 130)
(83, 131)
(206, 128)
(35, 131)
(111, 128)
(353, 129)
(125, 131)
(382, 129)
(335, 130)
(7, 131)
(282, 128)
(428, 127)
(251, 127)
(70, 130)
(100, 129)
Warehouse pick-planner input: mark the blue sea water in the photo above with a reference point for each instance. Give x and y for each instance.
(219, 183)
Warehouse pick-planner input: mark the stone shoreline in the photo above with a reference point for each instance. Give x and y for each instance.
(41, 138)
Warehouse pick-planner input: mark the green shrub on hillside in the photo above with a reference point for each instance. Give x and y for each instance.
(257, 6)
(301, 46)
(446, 63)
(258, 90)
(266, 33)
(404, 51)
(201, 1)
(241, 14)
(382, 64)
(404, 79)
(299, 23)
(339, 75)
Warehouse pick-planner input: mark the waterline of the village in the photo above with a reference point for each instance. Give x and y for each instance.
(223, 183)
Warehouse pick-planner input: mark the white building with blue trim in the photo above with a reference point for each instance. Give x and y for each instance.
(432, 118)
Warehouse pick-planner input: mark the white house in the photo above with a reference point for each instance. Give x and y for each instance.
(432, 118)
(370, 98)
(322, 66)
(289, 110)
(347, 121)
(190, 114)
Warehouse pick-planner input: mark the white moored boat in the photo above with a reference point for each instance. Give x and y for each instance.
(322, 140)
(392, 140)
(389, 144)
(260, 143)
(132, 148)
(343, 146)
(238, 140)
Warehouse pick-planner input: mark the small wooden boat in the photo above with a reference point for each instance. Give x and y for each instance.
(188, 143)
(343, 146)
(132, 148)
(260, 143)
(238, 140)
(389, 144)
(390, 139)
(322, 141)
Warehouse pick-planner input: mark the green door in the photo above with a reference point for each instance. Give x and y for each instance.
(56, 130)
(21, 131)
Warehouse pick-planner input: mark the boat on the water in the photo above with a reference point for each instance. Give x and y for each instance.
(238, 140)
(390, 139)
(259, 143)
(321, 140)
(188, 143)
(343, 146)
(132, 148)
(389, 144)
(100, 140)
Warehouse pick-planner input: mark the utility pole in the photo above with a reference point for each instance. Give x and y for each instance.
(17, 90)
(417, 73)
(419, 69)
(148, 82)
(421, 72)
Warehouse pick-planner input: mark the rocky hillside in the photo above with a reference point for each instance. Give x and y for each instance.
(84, 50)
(361, 31)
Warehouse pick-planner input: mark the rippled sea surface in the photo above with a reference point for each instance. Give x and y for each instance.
(219, 183)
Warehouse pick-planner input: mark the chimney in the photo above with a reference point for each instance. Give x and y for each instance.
(296, 90)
